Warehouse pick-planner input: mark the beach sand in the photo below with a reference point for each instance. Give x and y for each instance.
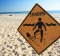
(13, 44)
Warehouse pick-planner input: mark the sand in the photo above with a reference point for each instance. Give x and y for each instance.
(13, 44)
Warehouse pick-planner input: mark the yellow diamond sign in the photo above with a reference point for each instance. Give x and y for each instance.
(39, 29)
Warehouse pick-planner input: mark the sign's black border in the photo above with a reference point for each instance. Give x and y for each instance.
(25, 19)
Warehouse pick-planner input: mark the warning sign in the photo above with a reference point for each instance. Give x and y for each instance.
(39, 29)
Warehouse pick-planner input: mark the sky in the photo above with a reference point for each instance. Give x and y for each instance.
(27, 5)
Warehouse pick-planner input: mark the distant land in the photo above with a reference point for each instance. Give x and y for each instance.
(25, 12)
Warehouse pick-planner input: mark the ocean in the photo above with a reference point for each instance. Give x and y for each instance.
(26, 12)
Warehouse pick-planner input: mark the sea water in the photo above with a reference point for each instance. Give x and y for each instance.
(26, 12)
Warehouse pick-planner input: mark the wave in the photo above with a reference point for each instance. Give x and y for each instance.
(51, 24)
(28, 24)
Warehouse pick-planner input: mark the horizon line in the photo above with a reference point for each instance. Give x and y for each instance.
(28, 11)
